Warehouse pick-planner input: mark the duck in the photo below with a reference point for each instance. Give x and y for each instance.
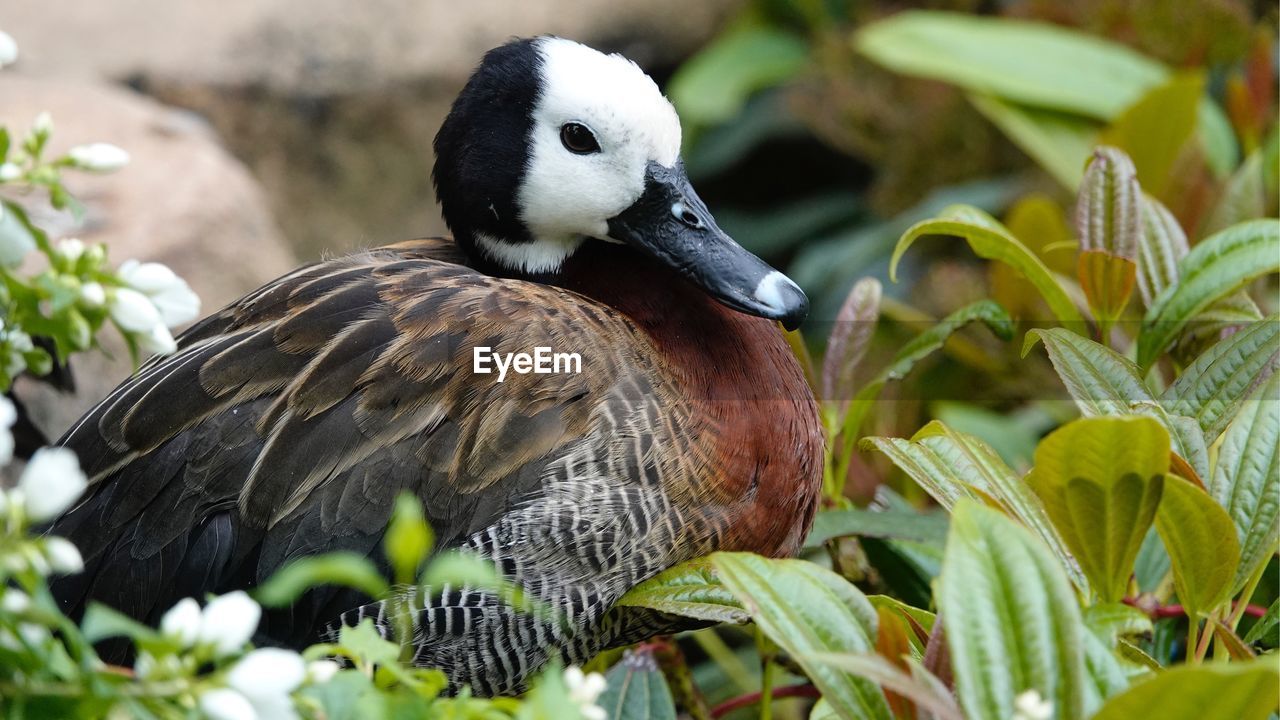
(286, 424)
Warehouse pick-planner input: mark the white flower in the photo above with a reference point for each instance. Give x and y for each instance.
(224, 704)
(14, 601)
(64, 557)
(133, 311)
(9, 171)
(1029, 705)
(8, 416)
(170, 294)
(99, 157)
(182, 622)
(51, 482)
(322, 671)
(8, 49)
(43, 124)
(159, 341)
(228, 622)
(71, 248)
(267, 672)
(15, 242)
(584, 690)
(93, 294)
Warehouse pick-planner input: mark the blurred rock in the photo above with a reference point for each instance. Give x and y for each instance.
(333, 104)
(182, 200)
(331, 46)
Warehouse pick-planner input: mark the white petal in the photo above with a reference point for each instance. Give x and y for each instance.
(225, 704)
(93, 294)
(177, 304)
(267, 672)
(182, 622)
(133, 311)
(99, 157)
(71, 248)
(43, 124)
(159, 340)
(593, 712)
(229, 621)
(322, 671)
(14, 601)
(8, 171)
(51, 482)
(64, 557)
(8, 49)
(149, 278)
(8, 416)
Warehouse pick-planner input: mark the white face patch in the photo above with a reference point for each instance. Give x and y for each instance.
(566, 196)
(769, 290)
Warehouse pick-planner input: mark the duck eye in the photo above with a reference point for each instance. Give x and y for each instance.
(578, 138)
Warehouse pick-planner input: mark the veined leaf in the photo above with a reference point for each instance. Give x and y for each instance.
(690, 589)
(850, 338)
(1213, 269)
(1012, 620)
(808, 610)
(1103, 382)
(1244, 198)
(920, 347)
(952, 466)
(1213, 691)
(1107, 281)
(637, 690)
(1246, 479)
(1059, 142)
(926, 527)
(1161, 246)
(1100, 480)
(1202, 545)
(931, 697)
(990, 240)
(1212, 388)
(1265, 624)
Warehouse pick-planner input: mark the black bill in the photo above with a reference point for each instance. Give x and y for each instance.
(671, 223)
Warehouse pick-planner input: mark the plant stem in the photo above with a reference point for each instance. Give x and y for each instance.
(766, 648)
(1206, 637)
(1246, 595)
(719, 651)
(1192, 626)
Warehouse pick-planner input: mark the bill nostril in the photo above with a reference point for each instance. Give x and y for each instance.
(685, 215)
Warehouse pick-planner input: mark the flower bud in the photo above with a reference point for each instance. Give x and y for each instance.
(9, 172)
(267, 672)
(226, 704)
(1109, 205)
(64, 557)
(98, 157)
(133, 311)
(322, 671)
(93, 294)
(8, 49)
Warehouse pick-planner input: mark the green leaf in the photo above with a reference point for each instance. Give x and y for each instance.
(408, 539)
(1155, 128)
(337, 568)
(15, 239)
(920, 347)
(1103, 382)
(101, 622)
(1214, 691)
(1112, 621)
(1202, 545)
(1035, 64)
(1213, 269)
(690, 589)
(637, 690)
(925, 695)
(1161, 246)
(1032, 63)
(1100, 480)
(952, 466)
(992, 241)
(365, 643)
(925, 527)
(1246, 479)
(1266, 625)
(1012, 623)
(1057, 141)
(1107, 281)
(1212, 388)
(808, 610)
(714, 85)
(850, 338)
(1244, 197)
